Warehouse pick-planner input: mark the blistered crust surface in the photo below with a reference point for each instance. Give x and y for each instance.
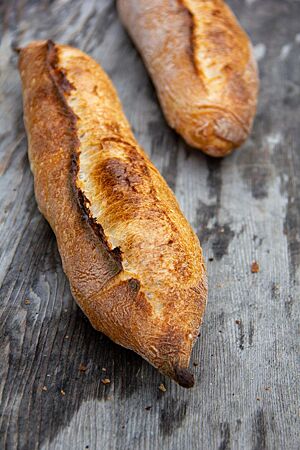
(134, 264)
(202, 65)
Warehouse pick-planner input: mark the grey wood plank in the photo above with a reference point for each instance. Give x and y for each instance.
(244, 208)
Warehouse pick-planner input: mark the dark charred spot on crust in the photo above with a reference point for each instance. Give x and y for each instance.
(217, 13)
(134, 284)
(117, 252)
(134, 157)
(117, 173)
(123, 178)
(62, 85)
(184, 377)
(228, 68)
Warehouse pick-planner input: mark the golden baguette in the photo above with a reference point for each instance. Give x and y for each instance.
(134, 264)
(202, 65)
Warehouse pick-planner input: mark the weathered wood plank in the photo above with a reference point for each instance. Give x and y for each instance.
(244, 208)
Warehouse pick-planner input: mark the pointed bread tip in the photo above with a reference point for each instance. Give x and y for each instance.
(184, 377)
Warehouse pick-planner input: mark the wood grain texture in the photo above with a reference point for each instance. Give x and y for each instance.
(244, 208)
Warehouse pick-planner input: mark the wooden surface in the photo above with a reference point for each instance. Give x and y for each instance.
(244, 208)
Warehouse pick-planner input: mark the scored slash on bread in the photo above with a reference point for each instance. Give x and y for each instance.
(202, 65)
(134, 264)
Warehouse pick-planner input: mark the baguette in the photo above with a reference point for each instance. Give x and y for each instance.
(134, 264)
(202, 65)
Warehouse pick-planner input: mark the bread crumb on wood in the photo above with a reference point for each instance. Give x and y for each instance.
(254, 267)
(258, 399)
(27, 301)
(82, 367)
(162, 387)
(238, 322)
(44, 388)
(105, 381)
(195, 363)
(62, 392)
(103, 369)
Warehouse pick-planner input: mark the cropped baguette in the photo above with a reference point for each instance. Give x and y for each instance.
(202, 65)
(134, 264)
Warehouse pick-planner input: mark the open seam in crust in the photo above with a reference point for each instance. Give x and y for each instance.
(192, 46)
(62, 85)
(201, 72)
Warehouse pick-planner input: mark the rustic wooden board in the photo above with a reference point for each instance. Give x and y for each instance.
(244, 208)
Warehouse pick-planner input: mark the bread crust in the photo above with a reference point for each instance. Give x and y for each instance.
(202, 65)
(134, 264)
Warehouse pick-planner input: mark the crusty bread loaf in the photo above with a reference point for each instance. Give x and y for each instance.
(134, 264)
(202, 65)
